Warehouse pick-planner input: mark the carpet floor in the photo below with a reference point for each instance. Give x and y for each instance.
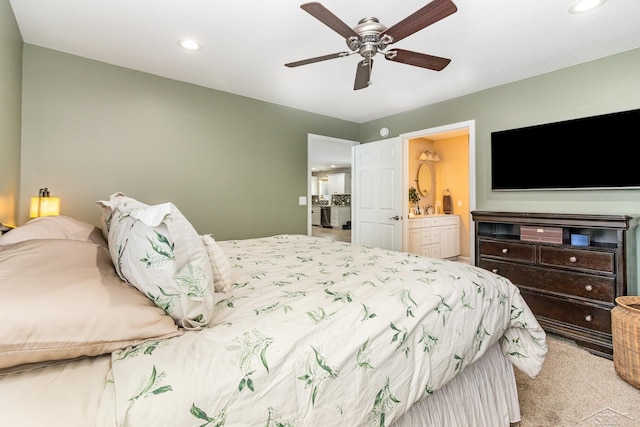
(576, 388)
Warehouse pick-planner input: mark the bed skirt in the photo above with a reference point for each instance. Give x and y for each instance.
(69, 394)
(483, 395)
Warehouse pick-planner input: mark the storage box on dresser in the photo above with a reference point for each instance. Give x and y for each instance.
(571, 289)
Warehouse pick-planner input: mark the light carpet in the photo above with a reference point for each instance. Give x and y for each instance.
(576, 388)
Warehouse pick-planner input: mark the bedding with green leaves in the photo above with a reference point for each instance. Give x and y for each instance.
(322, 333)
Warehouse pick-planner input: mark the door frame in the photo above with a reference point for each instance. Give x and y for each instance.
(311, 139)
(470, 127)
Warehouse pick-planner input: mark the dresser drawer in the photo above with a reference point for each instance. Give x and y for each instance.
(582, 285)
(586, 316)
(508, 250)
(578, 258)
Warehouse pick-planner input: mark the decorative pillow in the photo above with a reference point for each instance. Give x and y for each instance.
(53, 227)
(62, 299)
(156, 249)
(107, 212)
(219, 264)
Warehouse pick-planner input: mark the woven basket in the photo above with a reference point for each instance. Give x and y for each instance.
(625, 324)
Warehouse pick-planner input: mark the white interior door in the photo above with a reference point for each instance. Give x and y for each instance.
(377, 196)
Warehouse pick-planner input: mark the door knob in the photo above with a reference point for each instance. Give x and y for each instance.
(397, 218)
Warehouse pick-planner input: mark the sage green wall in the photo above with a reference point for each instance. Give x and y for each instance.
(236, 166)
(603, 86)
(10, 111)
(233, 165)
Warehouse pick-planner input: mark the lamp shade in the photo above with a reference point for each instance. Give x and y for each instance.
(44, 206)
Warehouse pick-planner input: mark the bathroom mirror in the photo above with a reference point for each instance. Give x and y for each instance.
(425, 179)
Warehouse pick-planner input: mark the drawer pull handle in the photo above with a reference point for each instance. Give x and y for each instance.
(588, 318)
(505, 250)
(589, 288)
(494, 271)
(573, 259)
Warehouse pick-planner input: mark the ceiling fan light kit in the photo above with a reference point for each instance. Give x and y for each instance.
(370, 37)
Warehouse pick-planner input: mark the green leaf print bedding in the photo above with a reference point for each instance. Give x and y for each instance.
(323, 333)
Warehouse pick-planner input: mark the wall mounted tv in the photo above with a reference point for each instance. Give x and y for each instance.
(591, 153)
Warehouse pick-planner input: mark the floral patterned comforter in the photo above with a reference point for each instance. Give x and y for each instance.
(324, 333)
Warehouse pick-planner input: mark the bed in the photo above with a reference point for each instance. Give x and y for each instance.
(286, 330)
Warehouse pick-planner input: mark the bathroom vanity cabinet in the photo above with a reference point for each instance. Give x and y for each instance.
(435, 236)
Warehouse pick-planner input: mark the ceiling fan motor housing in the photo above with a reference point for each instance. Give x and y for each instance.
(368, 42)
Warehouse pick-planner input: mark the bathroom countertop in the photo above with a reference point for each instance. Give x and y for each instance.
(429, 215)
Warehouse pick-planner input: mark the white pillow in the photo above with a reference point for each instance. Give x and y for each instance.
(53, 227)
(219, 264)
(156, 249)
(107, 212)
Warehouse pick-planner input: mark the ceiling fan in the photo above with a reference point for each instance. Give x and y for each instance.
(370, 37)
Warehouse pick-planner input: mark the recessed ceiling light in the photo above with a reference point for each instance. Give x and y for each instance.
(579, 6)
(190, 44)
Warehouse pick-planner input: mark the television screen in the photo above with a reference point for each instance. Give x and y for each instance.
(588, 153)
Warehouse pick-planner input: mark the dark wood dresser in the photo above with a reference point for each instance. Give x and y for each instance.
(569, 268)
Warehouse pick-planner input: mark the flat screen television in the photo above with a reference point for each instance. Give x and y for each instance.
(591, 153)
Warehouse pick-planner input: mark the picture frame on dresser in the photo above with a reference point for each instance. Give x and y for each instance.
(571, 288)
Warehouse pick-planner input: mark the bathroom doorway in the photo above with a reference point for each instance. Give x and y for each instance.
(457, 141)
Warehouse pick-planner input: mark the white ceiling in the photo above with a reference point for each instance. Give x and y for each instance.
(246, 44)
(327, 155)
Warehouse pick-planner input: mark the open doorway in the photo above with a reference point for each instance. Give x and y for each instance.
(455, 146)
(329, 187)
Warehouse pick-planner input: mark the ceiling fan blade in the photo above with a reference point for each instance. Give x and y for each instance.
(363, 74)
(325, 16)
(317, 59)
(429, 14)
(418, 59)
